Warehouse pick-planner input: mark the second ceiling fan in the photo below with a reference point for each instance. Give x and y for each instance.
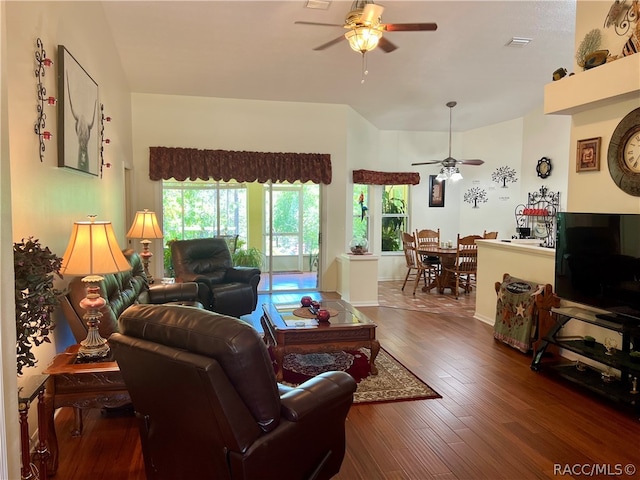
(449, 168)
(365, 27)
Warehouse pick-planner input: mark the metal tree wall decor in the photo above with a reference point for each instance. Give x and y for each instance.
(474, 196)
(504, 175)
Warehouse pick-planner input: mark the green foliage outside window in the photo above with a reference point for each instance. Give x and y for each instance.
(394, 216)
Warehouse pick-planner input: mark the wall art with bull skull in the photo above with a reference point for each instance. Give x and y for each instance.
(78, 116)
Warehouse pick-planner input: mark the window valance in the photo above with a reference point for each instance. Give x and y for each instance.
(370, 177)
(193, 164)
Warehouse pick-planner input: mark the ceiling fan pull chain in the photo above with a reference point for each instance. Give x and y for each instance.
(364, 67)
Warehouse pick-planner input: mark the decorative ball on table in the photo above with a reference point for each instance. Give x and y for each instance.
(359, 246)
(323, 315)
(306, 301)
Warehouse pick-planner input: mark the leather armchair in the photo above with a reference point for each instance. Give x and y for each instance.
(222, 288)
(205, 394)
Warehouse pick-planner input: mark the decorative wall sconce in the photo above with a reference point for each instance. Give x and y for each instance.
(39, 128)
(103, 119)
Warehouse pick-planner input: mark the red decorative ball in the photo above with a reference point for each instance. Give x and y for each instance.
(306, 301)
(315, 305)
(323, 315)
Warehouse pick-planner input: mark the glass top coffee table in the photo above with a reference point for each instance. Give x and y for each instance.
(289, 333)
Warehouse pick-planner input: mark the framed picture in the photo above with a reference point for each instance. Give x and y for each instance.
(588, 156)
(436, 192)
(78, 116)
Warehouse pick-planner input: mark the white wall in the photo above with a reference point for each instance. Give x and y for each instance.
(9, 431)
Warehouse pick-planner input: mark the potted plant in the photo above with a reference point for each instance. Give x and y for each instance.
(248, 257)
(36, 298)
(634, 356)
(589, 341)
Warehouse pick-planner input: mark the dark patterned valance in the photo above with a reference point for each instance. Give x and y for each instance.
(193, 164)
(369, 177)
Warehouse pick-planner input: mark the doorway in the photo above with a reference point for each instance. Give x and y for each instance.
(291, 237)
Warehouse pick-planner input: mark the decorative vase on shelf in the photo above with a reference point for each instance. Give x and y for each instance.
(359, 246)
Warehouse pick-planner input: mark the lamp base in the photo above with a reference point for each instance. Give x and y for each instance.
(146, 257)
(94, 346)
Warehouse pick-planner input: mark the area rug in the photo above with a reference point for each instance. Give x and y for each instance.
(393, 383)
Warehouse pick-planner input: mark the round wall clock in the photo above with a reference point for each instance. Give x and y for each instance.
(544, 167)
(623, 156)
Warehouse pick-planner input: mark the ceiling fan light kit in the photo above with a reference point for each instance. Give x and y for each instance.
(363, 39)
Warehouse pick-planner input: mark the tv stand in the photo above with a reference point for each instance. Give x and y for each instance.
(615, 375)
(618, 318)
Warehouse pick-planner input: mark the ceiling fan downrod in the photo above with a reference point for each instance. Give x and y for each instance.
(450, 105)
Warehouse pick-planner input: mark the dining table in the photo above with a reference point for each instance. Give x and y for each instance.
(447, 257)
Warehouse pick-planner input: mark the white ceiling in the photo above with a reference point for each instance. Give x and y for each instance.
(253, 50)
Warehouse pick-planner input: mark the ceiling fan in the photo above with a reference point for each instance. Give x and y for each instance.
(449, 168)
(365, 27)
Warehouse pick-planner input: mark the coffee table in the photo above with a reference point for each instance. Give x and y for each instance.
(288, 333)
(79, 385)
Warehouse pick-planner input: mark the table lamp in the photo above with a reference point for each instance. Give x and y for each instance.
(93, 251)
(145, 226)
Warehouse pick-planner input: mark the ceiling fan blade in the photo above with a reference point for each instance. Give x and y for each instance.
(432, 162)
(386, 45)
(331, 43)
(410, 27)
(371, 14)
(474, 161)
(298, 22)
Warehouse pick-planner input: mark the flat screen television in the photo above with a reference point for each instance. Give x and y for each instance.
(598, 262)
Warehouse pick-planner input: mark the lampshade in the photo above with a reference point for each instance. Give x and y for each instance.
(363, 39)
(93, 250)
(145, 225)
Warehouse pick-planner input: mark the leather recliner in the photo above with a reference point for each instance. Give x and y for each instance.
(222, 288)
(205, 394)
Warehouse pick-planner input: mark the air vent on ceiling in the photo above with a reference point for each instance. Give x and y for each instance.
(518, 42)
(320, 4)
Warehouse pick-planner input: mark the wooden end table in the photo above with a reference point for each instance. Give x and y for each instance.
(79, 385)
(287, 333)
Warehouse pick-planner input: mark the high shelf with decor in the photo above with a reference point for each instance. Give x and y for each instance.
(539, 215)
(611, 371)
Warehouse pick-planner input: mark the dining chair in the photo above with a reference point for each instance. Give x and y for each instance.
(416, 268)
(428, 240)
(466, 264)
(490, 235)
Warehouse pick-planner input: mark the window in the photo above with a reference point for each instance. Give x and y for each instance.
(394, 216)
(360, 224)
(203, 209)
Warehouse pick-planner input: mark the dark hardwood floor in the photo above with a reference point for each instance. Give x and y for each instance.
(496, 419)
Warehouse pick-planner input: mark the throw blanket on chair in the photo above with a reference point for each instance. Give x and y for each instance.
(515, 312)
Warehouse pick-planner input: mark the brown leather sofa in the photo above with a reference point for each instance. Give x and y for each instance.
(205, 394)
(121, 290)
(223, 288)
